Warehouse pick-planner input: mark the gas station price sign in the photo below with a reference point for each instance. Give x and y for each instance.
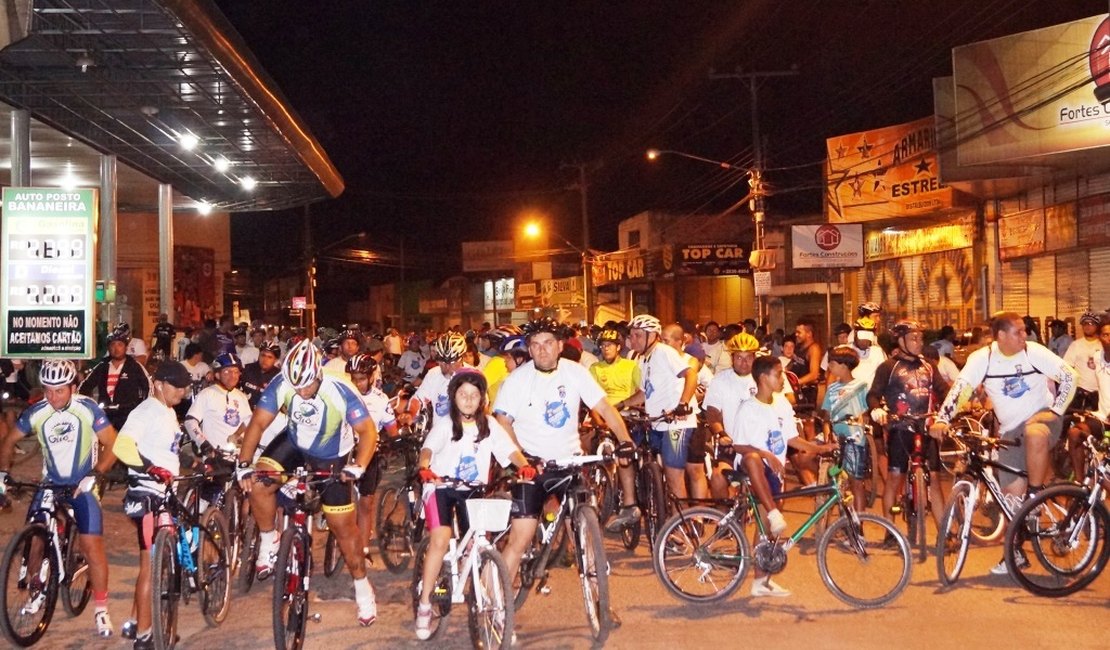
(49, 246)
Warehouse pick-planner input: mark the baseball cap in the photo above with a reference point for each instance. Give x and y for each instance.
(174, 374)
(373, 346)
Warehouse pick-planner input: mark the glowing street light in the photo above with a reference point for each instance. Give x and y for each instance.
(654, 154)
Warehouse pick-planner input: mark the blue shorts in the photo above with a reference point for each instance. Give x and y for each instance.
(774, 481)
(855, 458)
(674, 444)
(86, 510)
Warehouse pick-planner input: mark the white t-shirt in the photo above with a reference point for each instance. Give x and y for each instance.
(588, 359)
(869, 361)
(466, 459)
(1018, 386)
(662, 372)
(220, 413)
(247, 353)
(765, 426)
(544, 407)
(199, 371)
(1081, 355)
(716, 358)
(726, 393)
(157, 435)
(433, 390)
(1102, 374)
(412, 363)
(136, 347)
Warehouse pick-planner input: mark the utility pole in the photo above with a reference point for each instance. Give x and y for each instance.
(757, 204)
(310, 273)
(583, 192)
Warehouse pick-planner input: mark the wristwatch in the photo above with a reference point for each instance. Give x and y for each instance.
(244, 464)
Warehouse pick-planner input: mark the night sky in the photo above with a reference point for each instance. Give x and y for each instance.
(448, 120)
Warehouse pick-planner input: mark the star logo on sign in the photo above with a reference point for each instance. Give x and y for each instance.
(865, 149)
(857, 187)
(841, 150)
(923, 167)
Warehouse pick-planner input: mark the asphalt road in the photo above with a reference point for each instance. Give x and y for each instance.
(982, 610)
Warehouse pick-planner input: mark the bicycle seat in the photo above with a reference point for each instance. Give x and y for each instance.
(735, 476)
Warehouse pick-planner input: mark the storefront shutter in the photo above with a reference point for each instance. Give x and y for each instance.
(1042, 286)
(1072, 284)
(1015, 286)
(1098, 262)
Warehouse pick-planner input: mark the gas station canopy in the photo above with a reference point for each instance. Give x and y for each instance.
(170, 88)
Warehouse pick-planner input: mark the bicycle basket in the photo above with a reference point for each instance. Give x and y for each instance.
(488, 515)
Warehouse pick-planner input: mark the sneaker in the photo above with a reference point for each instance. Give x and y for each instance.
(628, 516)
(424, 622)
(367, 613)
(103, 624)
(144, 643)
(1001, 569)
(777, 523)
(129, 629)
(767, 587)
(34, 605)
(264, 567)
(890, 542)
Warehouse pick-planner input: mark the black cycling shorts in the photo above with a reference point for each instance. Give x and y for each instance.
(900, 447)
(371, 478)
(528, 498)
(282, 455)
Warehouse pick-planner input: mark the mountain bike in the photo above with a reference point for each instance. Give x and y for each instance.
(473, 572)
(400, 524)
(41, 562)
(651, 492)
(702, 554)
(189, 556)
(914, 505)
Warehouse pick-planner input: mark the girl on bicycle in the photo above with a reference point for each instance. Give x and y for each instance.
(458, 448)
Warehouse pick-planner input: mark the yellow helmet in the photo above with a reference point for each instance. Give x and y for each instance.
(742, 342)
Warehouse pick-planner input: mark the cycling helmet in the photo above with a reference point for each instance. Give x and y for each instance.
(302, 365)
(122, 332)
(362, 364)
(331, 346)
(904, 327)
(540, 325)
(511, 343)
(742, 342)
(56, 373)
(868, 308)
(272, 347)
(646, 322)
(865, 323)
(1090, 317)
(470, 335)
(609, 335)
(227, 360)
(502, 332)
(450, 347)
(347, 334)
(327, 333)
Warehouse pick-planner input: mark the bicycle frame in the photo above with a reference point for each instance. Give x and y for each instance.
(46, 515)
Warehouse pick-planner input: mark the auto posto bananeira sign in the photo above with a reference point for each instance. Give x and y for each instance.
(827, 246)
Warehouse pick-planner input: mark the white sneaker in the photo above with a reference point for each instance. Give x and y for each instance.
(368, 613)
(767, 587)
(1001, 569)
(777, 523)
(264, 565)
(34, 605)
(103, 624)
(424, 623)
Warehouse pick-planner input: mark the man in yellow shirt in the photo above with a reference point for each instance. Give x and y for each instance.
(619, 377)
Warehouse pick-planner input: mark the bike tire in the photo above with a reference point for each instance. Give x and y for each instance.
(213, 564)
(988, 522)
(593, 572)
(954, 535)
(920, 515)
(77, 588)
(333, 558)
(657, 501)
(693, 541)
(441, 593)
(290, 597)
(856, 543)
(165, 588)
(606, 493)
(248, 554)
(231, 507)
(491, 621)
(1046, 518)
(630, 534)
(395, 539)
(18, 552)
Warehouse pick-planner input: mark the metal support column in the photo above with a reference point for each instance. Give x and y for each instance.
(165, 249)
(106, 231)
(21, 148)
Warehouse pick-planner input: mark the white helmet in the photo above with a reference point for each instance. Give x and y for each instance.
(646, 322)
(56, 373)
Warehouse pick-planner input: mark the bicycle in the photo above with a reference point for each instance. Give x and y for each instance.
(41, 562)
(473, 572)
(1057, 543)
(189, 556)
(702, 554)
(400, 521)
(651, 492)
(915, 498)
(972, 513)
(576, 506)
(293, 567)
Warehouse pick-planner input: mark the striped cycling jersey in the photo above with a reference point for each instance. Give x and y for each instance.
(315, 425)
(68, 437)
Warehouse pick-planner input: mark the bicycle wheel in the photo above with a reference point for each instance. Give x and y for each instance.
(248, 555)
(921, 514)
(230, 506)
(77, 588)
(698, 559)
(988, 521)
(441, 593)
(630, 534)
(290, 599)
(489, 603)
(165, 588)
(656, 500)
(333, 558)
(394, 529)
(593, 570)
(857, 563)
(29, 576)
(954, 535)
(214, 568)
(606, 491)
(1057, 543)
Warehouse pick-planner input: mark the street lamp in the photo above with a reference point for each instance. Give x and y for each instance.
(654, 154)
(533, 230)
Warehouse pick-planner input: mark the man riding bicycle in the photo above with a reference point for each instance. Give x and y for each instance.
(317, 406)
(71, 429)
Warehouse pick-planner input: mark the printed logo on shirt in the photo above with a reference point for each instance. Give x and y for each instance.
(231, 416)
(775, 443)
(1015, 387)
(556, 414)
(467, 469)
(415, 364)
(306, 413)
(61, 432)
(443, 407)
(649, 388)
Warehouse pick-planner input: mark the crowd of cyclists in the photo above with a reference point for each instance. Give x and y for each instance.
(261, 400)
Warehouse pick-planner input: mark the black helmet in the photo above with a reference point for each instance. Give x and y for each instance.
(904, 327)
(539, 325)
(361, 363)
